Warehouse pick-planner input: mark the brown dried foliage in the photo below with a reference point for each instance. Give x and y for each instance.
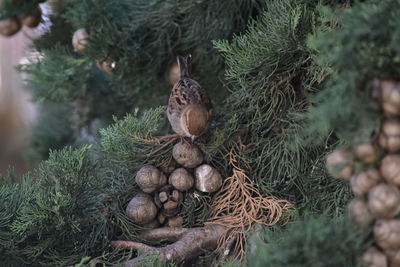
(240, 206)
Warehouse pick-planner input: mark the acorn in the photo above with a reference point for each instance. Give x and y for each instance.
(141, 209)
(384, 201)
(340, 164)
(393, 256)
(387, 233)
(175, 221)
(359, 212)
(372, 257)
(366, 153)
(106, 66)
(33, 19)
(181, 179)
(390, 97)
(362, 182)
(207, 179)
(390, 169)
(187, 155)
(389, 137)
(80, 40)
(10, 26)
(150, 179)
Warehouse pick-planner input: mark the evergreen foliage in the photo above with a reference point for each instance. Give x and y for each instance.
(316, 241)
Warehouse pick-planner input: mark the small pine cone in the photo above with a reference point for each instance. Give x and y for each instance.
(366, 153)
(340, 164)
(187, 155)
(384, 201)
(150, 179)
(362, 182)
(389, 137)
(390, 169)
(181, 179)
(372, 257)
(390, 97)
(387, 233)
(359, 213)
(207, 179)
(141, 209)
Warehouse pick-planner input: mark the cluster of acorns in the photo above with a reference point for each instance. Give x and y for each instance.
(374, 173)
(161, 199)
(80, 40)
(11, 26)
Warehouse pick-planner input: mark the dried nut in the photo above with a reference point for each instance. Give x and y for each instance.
(33, 19)
(366, 153)
(150, 179)
(362, 182)
(207, 179)
(389, 138)
(80, 40)
(170, 205)
(187, 155)
(359, 213)
(340, 164)
(390, 97)
(384, 201)
(390, 169)
(10, 26)
(181, 179)
(163, 197)
(374, 258)
(387, 233)
(141, 209)
(175, 222)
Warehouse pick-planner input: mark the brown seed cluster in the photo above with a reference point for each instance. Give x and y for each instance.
(163, 188)
(374, 173)
(11, 26)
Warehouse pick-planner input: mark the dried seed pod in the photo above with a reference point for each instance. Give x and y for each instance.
(163, 197)
(187, 155)
(106, 66)
(362, 182)
(169, 166)
(384, 201)
(340, 164)
(390, 169)
(207, 179)
(372, 257)
(359, 212)
(175, 222)
(181, 179)
(141, 209)
(33, 19)
(153, 224)
(387, 233)
(366, 153)
(389, 137)
(80, 40)
(150, 179)
(390, 97)
(393, 256)
(10, 26)
(170, 205)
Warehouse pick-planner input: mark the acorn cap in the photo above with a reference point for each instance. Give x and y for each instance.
(150, 179)
(141, 209)
(187, 155)
(340, 164)
(181, 179)
(362, 182)
(387, 233)
(207, 179)
(390, 169)
(384, 201)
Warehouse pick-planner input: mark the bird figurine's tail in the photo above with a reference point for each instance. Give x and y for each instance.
(185, 65)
